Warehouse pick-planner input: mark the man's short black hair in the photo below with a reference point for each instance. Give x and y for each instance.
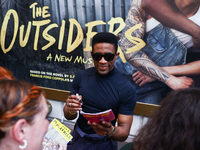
(105, 37)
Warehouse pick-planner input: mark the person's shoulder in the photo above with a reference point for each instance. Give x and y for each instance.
(118, 73)
(127, 86)
(123, 81)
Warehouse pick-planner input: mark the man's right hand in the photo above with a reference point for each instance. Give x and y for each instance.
(179, 82)
(72, 106)
(73, 103)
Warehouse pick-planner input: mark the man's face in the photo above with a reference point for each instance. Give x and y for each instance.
(104, 66)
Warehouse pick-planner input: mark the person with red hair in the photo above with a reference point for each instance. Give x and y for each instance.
(6, 74)
(23, 112)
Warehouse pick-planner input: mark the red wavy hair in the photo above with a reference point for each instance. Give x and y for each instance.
(6, 74)
(17, 100)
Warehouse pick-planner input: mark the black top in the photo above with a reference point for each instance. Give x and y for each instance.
(103, 92)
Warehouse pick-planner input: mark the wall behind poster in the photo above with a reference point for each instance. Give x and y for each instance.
(47, 41)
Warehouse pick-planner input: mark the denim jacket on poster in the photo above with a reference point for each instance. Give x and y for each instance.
(164, 49)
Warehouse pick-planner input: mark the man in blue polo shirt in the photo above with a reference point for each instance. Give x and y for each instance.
(101, 88)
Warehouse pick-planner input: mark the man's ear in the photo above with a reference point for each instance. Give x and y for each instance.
(18, 130)
(117, 54)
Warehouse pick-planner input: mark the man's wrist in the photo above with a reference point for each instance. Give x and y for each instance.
(171, 82)
(195, 32)
(112, 132)
(72, 113)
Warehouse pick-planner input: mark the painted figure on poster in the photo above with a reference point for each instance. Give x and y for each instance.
(164, 48)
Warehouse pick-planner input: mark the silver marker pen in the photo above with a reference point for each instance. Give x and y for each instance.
(79, 98)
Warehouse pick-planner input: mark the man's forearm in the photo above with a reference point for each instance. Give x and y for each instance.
(123, 128)
(139, 59)
(187, 69)
(119, 135)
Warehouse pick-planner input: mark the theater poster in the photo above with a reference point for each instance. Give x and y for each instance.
(47, 41)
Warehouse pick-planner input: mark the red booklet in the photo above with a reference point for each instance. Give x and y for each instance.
(98, 117)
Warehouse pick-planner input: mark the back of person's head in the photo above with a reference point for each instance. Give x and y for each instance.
(5, 74)
(175, 125)
(18, 100)
(105, 37)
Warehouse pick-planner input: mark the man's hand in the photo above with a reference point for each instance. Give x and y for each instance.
(73, 103)
(72, 106)
(141, 78)
(179, 82)
(103, 128)
(119, 133)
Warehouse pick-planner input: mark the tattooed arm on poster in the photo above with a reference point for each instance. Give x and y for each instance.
(139, 59)
(174, 18)
(191, 68)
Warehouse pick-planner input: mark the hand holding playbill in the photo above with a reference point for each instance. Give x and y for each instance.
(98, 117)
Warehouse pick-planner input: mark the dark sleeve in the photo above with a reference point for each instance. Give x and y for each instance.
(127, 99)
(76, 84)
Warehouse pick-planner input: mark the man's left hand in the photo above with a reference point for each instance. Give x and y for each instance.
(103, 128)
